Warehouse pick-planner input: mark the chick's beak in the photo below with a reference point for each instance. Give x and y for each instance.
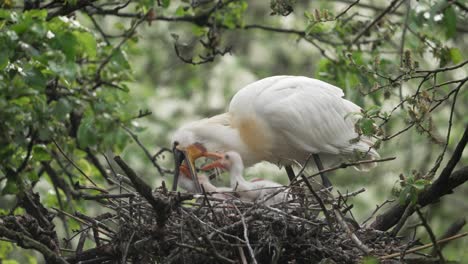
(216, 164)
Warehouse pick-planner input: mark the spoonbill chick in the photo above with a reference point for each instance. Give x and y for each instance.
(251, 191)
(187, 183)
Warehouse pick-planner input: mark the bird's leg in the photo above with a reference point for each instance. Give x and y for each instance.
(325, 181)
(290, 173)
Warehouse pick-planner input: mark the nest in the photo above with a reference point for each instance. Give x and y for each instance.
(158, 226)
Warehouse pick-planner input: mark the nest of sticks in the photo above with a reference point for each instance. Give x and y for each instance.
(159, 226)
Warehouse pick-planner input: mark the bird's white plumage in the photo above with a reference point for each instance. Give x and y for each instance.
(281, 119)
(304, 116)
(259, 190)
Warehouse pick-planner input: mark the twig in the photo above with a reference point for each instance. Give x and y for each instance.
(28, 242)
(377, 19)
(150, 157)
(451, 231)
(346, 10)
(319, 200)
(377, 208)
(73, 163)
(431, 235)
(125, 252)
(246, 236)
(407, 213)
(445, 240)
(345, 165)
(353, 236)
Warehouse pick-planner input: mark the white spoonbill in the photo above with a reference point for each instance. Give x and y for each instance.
(258, 189)
(280, 119)
(186, 182)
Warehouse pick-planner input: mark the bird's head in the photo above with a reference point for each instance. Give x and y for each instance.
(187, 149)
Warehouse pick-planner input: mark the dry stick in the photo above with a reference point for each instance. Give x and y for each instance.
(159, 205)
(354, 238)
(451, 231)
(407, 213)
(27, 242)
(377, 208)
(319, 200)
(431, 235)
(82, 221)
(124, 255)
(345, 165)
(445, 240)
(377, 19)
(346, 10)
(246, 236)
(209, 204)
(73, 163)
(148, 155)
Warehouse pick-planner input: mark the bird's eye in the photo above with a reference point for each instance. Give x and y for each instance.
(226, 156)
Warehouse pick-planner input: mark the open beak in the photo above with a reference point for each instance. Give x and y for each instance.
(215, 164)
(189, 155)
(184, 170)
(179, 158)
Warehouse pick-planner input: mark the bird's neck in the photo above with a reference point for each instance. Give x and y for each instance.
(220, 135)
(237, 180)
(208, 186)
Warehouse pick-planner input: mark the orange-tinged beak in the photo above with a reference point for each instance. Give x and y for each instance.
(189, 155)
(215, 164)
(185, 170)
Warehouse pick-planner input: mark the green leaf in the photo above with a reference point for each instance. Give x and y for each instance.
(367, 126)
(404, 194)
(10, 187)
(40, 153)
(61, 109)
(456, 55)
(87, 43)
(450, 22)
(420, 184)
(68, 44)
(373, 110)
(166, 3)
(86, 133)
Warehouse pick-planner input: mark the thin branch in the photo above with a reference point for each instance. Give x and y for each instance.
(28, 242)
(246, 236)
(377, 19)
(354, 238)
(431, 235)
(445, 240)
(73, 163)
(346, 10)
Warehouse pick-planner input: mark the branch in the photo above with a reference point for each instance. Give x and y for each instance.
(27, 242)
(160, 206)
(445, 240)
(445, 183)
(431, 235)
(377, 19)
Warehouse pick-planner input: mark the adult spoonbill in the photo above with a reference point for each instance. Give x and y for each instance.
(188, 184)
(255, 190)
(280, 119)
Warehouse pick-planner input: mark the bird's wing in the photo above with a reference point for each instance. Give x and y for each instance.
(307, 113)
